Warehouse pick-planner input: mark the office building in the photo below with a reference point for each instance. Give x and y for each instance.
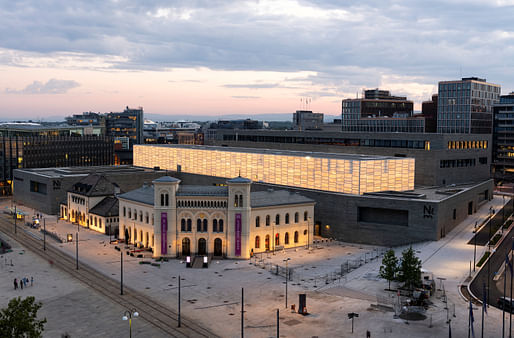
(465, 106)
(307, 120)
(223, 221)
(429, 112)
(503, 138)
(379, 111)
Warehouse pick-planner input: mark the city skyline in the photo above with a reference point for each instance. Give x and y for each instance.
(220, 58)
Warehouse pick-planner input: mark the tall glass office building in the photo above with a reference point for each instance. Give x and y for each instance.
(465, 106)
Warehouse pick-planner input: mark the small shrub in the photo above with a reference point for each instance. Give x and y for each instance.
(482, 260)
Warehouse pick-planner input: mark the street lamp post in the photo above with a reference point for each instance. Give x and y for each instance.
(287, 276)
(121, 272)
(77, 250)
(15, 217)
(44, 234)
(475, 249)
(128, 315)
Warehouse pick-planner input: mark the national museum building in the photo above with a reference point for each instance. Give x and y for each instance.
(224, 221)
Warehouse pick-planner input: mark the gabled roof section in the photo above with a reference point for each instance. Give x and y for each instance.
(94, 185)
(108, 207)
(166, 179)
(145, 195)
(201, 190)
(239, 179)
(277, 197)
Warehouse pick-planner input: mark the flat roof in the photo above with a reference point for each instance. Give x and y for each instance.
(81, 171)
(338, 156)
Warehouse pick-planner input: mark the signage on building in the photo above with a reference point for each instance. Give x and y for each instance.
(164, 233)
(428, 211)
(238, 235)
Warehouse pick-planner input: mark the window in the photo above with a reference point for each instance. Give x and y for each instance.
(167, 199)
(182, 225)
(204, 225)
(240, 201)
(267, 220)
(296, 217)
(124, 212)
(147, 218)
(277, 239)
(189, 225)
(135, 214)
(220, 225)
(199, 225)
(296, 236)
(305, 214)
(277, 219)
(305, 232)
(236, 201)
(287, 218)
(257, 242)
(257, 221)
(140, 216)
(162, 199)
(286, 238)
(129, 213)
(214, 225)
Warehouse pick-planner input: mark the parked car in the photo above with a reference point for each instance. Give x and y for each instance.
(506, 303)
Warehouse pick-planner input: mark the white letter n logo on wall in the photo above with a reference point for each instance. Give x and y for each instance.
(164, 233)
(428, 211)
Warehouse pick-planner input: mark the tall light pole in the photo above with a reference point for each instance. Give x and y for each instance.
(15, 217)
(179, 320)
(77, 250)
(44, 234)
(475, 249)
(121, 272)
(127, 315)
(287, 276)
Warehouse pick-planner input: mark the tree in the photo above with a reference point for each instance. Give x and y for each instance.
(410, 269)
(389, 267)
(19, 319)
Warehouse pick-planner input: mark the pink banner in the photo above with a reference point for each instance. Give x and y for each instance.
(238, 235)
(164, 233)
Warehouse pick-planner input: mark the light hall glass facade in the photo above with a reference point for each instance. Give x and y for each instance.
(351, 174)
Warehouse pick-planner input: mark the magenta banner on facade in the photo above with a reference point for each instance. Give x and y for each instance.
(164, 233)
(238, 235)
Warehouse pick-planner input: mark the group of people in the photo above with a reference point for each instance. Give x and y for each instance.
(23, 282)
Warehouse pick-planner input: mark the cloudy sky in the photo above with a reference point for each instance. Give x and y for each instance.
(213, 57)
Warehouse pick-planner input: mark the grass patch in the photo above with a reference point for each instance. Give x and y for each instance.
(507, 224)
(482, 260)
(495, 239)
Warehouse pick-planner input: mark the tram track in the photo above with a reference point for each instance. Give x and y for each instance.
(150, 310)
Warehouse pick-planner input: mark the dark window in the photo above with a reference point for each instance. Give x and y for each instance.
(214, 225)
(182, 225)
(220, 225)
(205, 225)
(189, 225)
(199, 225)
(296, 236)
(267, 220)
(286, 238)
(287, 218)
(296, 217)
(305, 214)
(257, 221)
(277, 219)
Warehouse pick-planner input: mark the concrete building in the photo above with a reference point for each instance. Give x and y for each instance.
(503, 138)
(45, 189)
(440, 159)
(379, 111)
(223, 221)
(307, 120)
(465, 106)
(429, 112)
(354, 174)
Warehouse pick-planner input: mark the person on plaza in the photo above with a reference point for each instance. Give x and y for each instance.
(15, 284)
(27, 281)
(31, 280)
(21, 284)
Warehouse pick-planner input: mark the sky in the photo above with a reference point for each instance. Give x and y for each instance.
(216, 57)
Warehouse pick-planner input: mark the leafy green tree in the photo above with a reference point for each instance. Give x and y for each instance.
(389, 267)
(410, 269)
(19, 319)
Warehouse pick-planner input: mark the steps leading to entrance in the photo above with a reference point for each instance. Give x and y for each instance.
(197, 262)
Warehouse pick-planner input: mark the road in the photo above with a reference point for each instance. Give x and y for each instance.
(150, 310)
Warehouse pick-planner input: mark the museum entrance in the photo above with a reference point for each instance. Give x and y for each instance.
(186, 247)
(217, 247)
(202, 247)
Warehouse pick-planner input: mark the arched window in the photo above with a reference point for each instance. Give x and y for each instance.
(240, 201)
(296, 217)
(257, 242)
(129, 213)
(305, 232)
(277, 239)
(189, 226)
(220, 225)
(124, 212)
(214, 225)
(167, 199)
(96, 221)
(296, 236)
(305, 214)
(236, 201)
(140, 216)
(135, 214)
(267, 220)
(257, 221)
(277, 219)
(199, 225)
(205, 225)
(147, 218)
(286, 238)
(162, 200)
(287, 218)
(182, 225)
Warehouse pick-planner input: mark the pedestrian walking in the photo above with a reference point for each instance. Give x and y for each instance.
(26, 281)
(21, 284)
(15, 284)
(31, 280)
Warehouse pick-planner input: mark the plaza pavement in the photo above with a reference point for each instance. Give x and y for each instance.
(212, 296)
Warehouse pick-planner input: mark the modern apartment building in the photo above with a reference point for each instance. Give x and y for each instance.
(307, 120)
(503, 138)
(465, 106)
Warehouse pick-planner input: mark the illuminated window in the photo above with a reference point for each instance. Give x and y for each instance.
(257, 242)
(277, 239)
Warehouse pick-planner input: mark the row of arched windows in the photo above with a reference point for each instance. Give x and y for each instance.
(147, 215)
(277, 240)
(202, 204)
(201, 225)
(277, 219)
